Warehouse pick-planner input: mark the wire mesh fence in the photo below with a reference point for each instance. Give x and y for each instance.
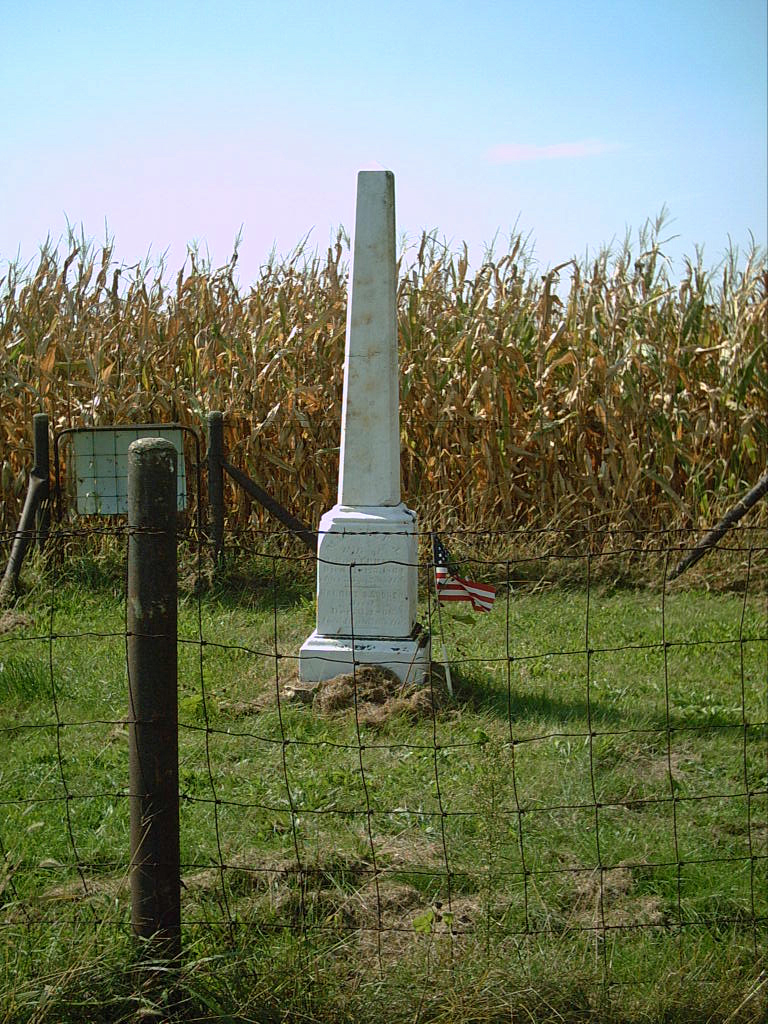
(590, 773)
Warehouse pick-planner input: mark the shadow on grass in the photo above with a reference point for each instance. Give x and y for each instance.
(259, 592)
(102, 572)
(253, 584)
(481, 696)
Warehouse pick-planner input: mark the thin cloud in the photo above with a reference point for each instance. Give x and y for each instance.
(517, 153)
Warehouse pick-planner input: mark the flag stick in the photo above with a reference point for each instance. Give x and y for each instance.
(448, 680)
(446, 665)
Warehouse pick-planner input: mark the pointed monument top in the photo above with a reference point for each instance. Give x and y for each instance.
(370, 421)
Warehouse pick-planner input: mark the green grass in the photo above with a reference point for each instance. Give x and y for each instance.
(489, 902)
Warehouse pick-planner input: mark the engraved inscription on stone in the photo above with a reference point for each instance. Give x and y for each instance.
(381, 601)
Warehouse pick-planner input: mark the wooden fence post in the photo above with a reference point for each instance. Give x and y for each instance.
(153, 688)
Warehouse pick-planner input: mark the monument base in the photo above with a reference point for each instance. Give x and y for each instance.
(367, 562)
(323, 657)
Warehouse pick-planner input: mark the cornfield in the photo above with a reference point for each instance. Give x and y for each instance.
(603, 390)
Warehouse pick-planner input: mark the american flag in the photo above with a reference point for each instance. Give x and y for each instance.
(451, 587)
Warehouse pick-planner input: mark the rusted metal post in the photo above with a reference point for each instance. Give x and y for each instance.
(22, 539)
(152, 680)
(302, 531)
(731, 517)
(35, 516)
(216, 480)
(41, 469)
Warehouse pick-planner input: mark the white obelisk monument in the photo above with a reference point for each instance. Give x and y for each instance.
(367, 555)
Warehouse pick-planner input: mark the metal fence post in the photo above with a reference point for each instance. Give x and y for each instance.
(35, 513)
(41, 468)
(152, 677)
(216, 480)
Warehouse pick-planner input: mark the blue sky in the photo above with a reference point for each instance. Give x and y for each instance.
(181, 121)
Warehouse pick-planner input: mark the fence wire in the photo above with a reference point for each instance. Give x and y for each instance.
(599, 770)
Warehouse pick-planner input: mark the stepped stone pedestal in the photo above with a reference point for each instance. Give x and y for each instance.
(367, 569)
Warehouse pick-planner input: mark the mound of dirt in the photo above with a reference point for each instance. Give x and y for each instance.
(376, 692)
(10, 620)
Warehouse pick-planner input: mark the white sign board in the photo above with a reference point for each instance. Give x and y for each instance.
(101, 467)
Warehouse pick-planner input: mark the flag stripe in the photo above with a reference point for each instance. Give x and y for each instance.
(451, 587)
(454, 588)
